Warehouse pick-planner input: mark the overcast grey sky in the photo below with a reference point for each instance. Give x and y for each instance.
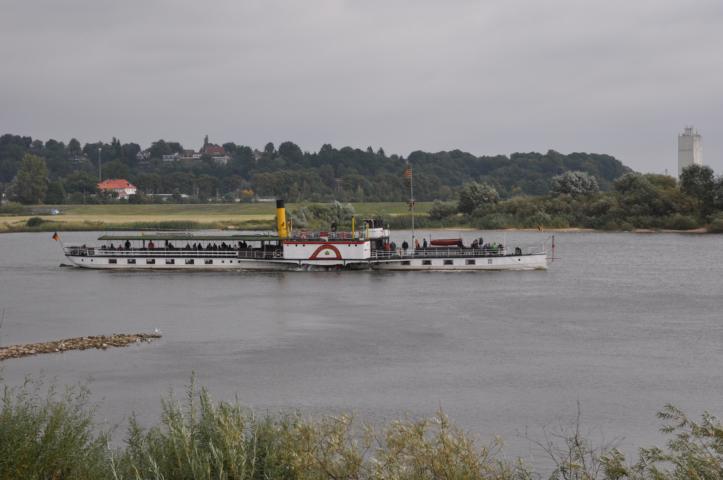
(612, 76)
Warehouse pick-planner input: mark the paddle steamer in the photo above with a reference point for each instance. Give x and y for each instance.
(369, 247)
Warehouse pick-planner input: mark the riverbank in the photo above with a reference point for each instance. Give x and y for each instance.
(226, 216)
(77, 343)
(255, 216)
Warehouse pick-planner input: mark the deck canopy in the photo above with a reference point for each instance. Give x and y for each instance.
(175, 237)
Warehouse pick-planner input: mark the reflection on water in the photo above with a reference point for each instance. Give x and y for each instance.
(622, 322)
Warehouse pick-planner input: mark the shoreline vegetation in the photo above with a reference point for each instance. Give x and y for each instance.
(128, 217)
(77, 343)
(47, 434)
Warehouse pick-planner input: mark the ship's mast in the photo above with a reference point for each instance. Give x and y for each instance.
(409, 174)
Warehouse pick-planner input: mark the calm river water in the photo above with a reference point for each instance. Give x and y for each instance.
(622, 323)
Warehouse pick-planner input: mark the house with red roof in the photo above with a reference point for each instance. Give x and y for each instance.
(122, 187)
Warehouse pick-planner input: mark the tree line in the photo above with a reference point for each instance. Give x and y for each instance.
(53, 172)
(575, 199)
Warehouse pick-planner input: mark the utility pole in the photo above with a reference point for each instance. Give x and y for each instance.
(100, 168)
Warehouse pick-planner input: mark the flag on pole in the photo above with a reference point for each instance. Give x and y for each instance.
(408, 172)
(56, 237)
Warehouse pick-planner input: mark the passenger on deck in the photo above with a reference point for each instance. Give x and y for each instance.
(405, 246)
(187, 247)
(424, 244)
(475, 244)
(151, 245)
(128, 245)
(416, 244)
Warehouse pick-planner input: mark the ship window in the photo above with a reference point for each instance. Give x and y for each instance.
(208, 261)
(470, 262)
(112, 261)
(131, 261)
(150, 261)
(170, 261)
(405, 262)
(426, 262)
(489, 261)
(449, 262)
(189, 261)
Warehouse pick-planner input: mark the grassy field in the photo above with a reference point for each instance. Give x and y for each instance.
(174, 216)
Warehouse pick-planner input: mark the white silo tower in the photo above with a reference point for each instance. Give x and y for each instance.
(690, 150)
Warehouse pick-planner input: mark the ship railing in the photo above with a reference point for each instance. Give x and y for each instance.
(179, 252)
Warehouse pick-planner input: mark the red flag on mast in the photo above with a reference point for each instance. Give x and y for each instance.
(408, 172)
(55, 236)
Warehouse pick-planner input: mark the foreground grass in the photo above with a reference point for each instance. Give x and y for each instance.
(52, 436)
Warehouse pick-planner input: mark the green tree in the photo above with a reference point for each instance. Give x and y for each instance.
(115, 169)
(474, 195)
(574, 183)
(56, 193)
(718, 193)
(74, 147)
(698, 181)
(291, 152)
(81, 182)
(31, 182)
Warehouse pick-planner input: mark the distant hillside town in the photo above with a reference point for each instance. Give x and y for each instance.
(167, 171)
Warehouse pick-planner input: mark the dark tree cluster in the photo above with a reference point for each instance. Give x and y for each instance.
(345, 174)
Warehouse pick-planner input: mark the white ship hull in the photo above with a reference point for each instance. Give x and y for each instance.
(209, 263)
(179, 263)
(521, 262)
(512, 262)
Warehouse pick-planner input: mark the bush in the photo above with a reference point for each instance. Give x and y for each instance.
(716, 226)
(34, 222)
(50, 436)
(441, 210)
(494, 221)
(680, 222)
(204, 439)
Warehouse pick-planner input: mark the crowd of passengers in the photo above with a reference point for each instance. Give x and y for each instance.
(222, 247)
(490, 248)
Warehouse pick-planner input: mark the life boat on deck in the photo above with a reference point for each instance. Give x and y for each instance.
(445, 242)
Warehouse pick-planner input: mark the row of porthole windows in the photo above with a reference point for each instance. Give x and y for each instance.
(469, 261)
(169, 261)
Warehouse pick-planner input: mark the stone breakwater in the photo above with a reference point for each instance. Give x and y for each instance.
(79, 343)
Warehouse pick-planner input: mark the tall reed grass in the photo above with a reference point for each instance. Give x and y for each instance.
(45, 434)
